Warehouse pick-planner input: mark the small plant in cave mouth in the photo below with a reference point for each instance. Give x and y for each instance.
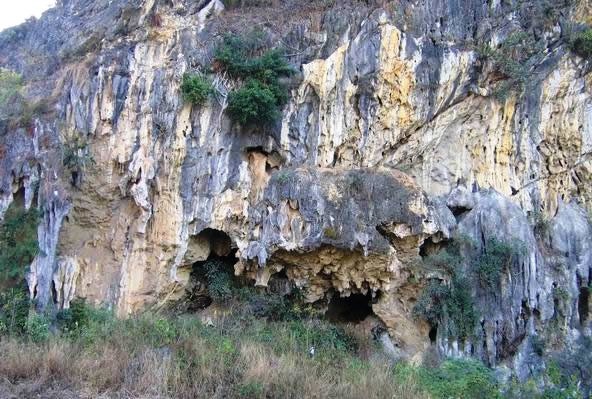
(219, 279)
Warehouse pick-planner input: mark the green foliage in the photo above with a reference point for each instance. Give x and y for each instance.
(553, 384)
(276, 307)
(259, 100)
(448, 259)
(37, 327)
(284, 176)
(18, 241)
(196, 88)
(250, 390)
(459, 379)
(448, 306)
(513, 60)
(540, 222)
(14, 311)
(76, 155)
(77, 317)
(496, 257)
(219, 279)
(330, 233)
(255, 102)
(574, 363)
(582, 44)
(561, 295)
(11, 84)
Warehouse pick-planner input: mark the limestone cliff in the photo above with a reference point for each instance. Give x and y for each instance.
(393, 142)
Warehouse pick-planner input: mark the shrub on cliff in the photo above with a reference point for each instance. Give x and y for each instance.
(512, 61)
(196, 88)
(10, 93)
(496, 257)
(18, 241)
(448, 306)
(262, 95)
(253, 103)
(582, 44)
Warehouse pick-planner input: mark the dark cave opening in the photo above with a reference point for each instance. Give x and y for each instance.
(584, 304)
(350, 309)
(433, 334)
(220, 242)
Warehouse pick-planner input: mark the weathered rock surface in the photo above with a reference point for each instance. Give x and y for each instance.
(392, 136)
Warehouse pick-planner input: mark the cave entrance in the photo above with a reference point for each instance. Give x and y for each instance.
(217, 269)
(210, 280)
(349, 309)
(584, 304)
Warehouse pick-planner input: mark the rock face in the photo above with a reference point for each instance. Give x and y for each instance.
(392, 143)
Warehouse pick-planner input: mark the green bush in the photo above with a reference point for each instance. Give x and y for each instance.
(77, 317)
(459, 379)
(513, 60)
(196, 88)
(18, 242)
(219, 279)
(276, 307)
(582, 44)
(75, 153)
(259, 100)
(553, 384)
(14, 310)
(37, 327)
(541, 222)
(449, 306)
(11, 84)
(255, 102)
(496, 257)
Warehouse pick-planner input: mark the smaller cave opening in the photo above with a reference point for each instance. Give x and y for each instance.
(584, 304)
(75, 178)
(216, 269)
(54, 293)
(429, 247)
(349, 309)
(433, 334)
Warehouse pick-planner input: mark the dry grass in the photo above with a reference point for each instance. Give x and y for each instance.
(192, 362)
